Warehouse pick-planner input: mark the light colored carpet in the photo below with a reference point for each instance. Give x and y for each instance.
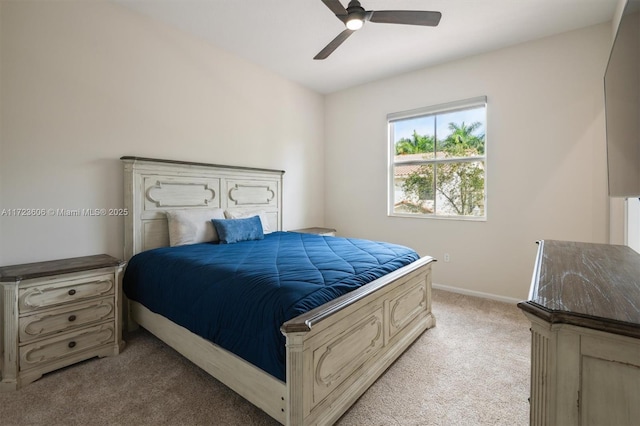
(471, 369)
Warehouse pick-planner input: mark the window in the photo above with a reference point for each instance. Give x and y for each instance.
(438, 161)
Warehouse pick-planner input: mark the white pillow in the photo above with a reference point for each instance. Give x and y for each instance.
(241, 214)
(191, 226)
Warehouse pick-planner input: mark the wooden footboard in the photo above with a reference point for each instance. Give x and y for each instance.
(335, 352)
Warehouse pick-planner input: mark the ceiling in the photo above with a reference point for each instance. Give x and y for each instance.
(285, 35)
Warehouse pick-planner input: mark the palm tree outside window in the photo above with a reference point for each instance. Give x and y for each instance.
(438, 161)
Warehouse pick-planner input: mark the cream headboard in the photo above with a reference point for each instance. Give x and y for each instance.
(152, 186)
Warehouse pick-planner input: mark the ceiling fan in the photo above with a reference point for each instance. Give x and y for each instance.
(354, 17)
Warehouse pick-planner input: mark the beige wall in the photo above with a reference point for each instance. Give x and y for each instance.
(546, 158)
(84, 83)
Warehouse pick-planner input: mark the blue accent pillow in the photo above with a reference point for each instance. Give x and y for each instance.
(236, 230)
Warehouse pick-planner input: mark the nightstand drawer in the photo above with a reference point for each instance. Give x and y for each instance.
(66, 345)
(56, 313)
(65, 318)
(64, 291)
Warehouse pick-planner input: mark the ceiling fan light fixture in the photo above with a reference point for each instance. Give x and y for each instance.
(354, 23)
(354, 17)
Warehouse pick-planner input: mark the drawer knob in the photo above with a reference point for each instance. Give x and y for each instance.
(72, 318)
(72, 344)
(72, 292)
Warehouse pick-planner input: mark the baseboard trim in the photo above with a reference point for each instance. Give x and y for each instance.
(475, 293)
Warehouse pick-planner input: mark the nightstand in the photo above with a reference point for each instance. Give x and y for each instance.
(58, 313)
(317, 230)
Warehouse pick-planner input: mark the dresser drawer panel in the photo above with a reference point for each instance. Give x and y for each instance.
(66, 345)
(69, 291)
(65, 318)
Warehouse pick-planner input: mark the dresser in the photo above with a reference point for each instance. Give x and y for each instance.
(584, 308)
(57, 313)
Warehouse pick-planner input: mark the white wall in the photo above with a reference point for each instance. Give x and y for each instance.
(84, 83)
(546, 158)
(617, 16)
(632, 234)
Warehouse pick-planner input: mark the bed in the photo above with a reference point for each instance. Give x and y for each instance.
(331, 353)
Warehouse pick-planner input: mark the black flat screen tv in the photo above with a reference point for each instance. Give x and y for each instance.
(622, 106)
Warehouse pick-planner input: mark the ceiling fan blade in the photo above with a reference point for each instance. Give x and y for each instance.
(408, 17)
(336, 7)
(334, 44)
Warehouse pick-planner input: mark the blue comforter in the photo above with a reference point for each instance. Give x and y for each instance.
(238, 295)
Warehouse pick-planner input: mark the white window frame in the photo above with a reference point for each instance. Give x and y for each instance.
(480, 101)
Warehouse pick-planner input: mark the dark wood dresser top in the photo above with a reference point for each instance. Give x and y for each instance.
(588, 285)
(56, 267)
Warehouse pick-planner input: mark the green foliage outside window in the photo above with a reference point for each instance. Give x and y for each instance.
(459, 180)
